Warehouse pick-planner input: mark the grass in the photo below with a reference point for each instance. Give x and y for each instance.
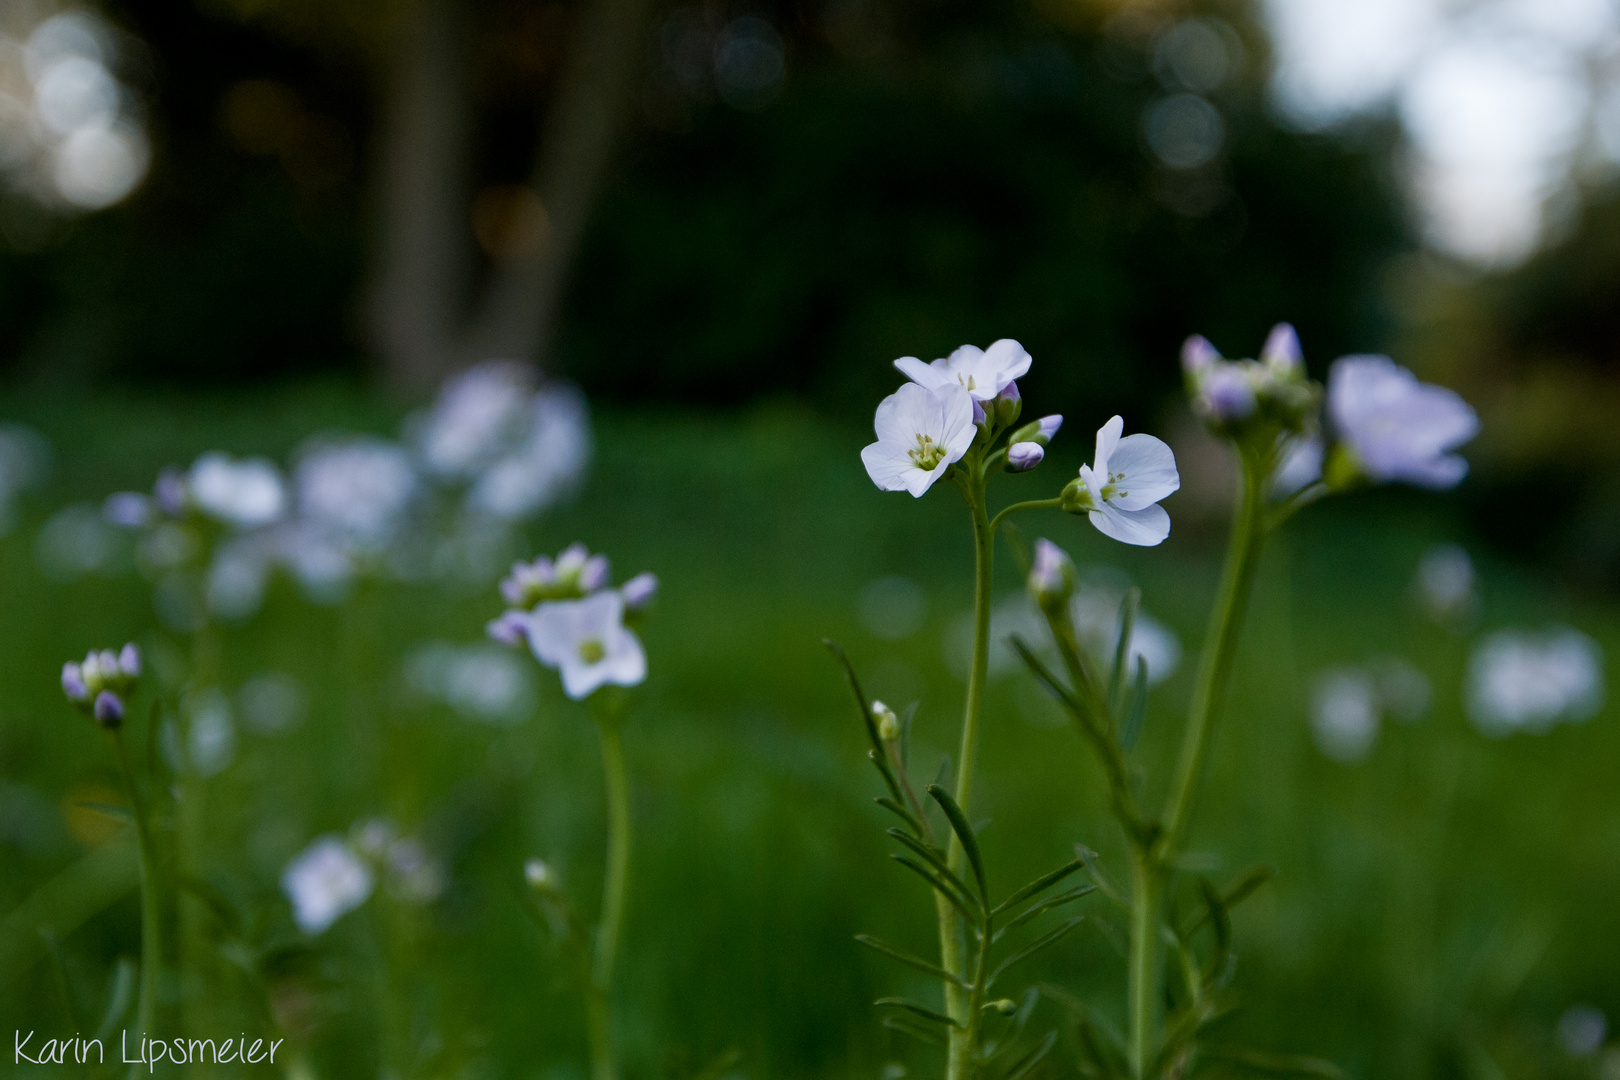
(1436, 908)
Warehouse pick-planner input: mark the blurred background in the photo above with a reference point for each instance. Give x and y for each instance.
(276, 228)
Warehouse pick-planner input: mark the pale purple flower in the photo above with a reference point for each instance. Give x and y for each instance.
(1225, 394)
(639, 591)
(1024, 456)
(170, 492)
(983, 373)
(356, 491)
(1049, 428)
(920, 432)
(327, 881)
(1121, 488)
(1281, 355)
(509, 628)
(1399, 429)
(129, 661)
(574, 573)
(588, 643)
(128, 509)
(1197, 355)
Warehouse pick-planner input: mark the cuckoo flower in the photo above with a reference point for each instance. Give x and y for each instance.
(327, 881)
(983, 373)
(1396, 428)
(588, 643)
(921, 432)
(246, 493)
(1121, 488)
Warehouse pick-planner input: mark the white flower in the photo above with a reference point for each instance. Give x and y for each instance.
(1121, 488)
(476, 412)
(981, 372)
(1345, 714)
(325, 883)
(1445, 584)
(247, 493)
(588, 643)
(544, 465)
(920, 434)
(1398, 428)
(357, 490)
(1521, 680)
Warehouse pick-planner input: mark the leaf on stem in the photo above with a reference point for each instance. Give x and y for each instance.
(1132, 727)
(917, 1010)
(1049, 938)
(1101, 1046)
(1094, 872)
(1122, 652)
(906, 958)
(1040, 884)
(1026, 1064)
(900, 812)
(1272, 1064)
(964, 833)
(936, 859)
(860, 695)
(960, 902)
(1042, 908)
(905, 1026)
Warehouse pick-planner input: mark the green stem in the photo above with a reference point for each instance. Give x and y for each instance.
(952, 952)
(598, 993)
(1032, 504)
(1215, 666)
(151, 910)
(1143, 975)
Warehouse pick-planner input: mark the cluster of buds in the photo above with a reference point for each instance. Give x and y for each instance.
(1027, 446)
(1237, 397)
(100, 684)
(573, 575)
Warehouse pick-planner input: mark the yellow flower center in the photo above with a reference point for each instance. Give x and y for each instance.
(591, 651)
(927, 454)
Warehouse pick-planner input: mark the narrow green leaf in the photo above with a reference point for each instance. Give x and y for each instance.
(1102, 1046)
(1132, 727)
(910, 961)
(974, 919)
(1122, 652)
(1015, 543)
(917, 1010)
(1245, 886)
(964, 833)
(1042, 908)
(1028, 1062)
(1040, 884)
(936, 859)
(1094, 872)
(907, 718)
(1048, 938)
(1272, 1064)
(119, 997)
(1216, 910)
(900, 812)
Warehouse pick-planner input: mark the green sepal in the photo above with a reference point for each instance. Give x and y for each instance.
(910, 961)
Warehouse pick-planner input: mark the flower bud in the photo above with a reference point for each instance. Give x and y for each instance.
(888, 724)
(170, 492)
(1049, 429)
(1282, 355)
(639, 591)
(594, 574)
(978, 412)
(1198, 355)
(129, 661)
(73, 684)
(1051, 577)
(1024, 456)
(539, 875)
(1225, 395)
(108, 709)
(1008, 405)
(511, 628)
(1004, 1006)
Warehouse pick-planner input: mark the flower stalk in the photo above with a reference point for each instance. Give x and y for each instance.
(598, 993)
(151, 892)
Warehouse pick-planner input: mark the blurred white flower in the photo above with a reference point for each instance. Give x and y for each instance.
(983, 373)
(920, 433)
(210, 732)
(355, 490)
(247, 494)
(272, 703)
(1396, 428)
(546, 462)
(475, 415)
(1445, 584)
(1524, 680)
(238, 576)
(588, 643)
(480, 682)
(1345, 714)
(76, 541)
(1581, 1030)
(327, 881)
(1095, 610)
(1120, 490)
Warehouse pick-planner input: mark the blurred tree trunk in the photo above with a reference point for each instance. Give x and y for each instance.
(423, 320)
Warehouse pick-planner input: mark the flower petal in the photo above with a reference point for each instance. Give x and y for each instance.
(1008, 359)
(887, 465)
(1145, 528)
(926, 375)
(1149, 468)
(1107, 439)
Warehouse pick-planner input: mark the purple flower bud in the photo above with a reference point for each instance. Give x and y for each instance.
(127, 509)
(594, 574)
(107, 662)
(1024, 456)
(108, 709)
(1226, 395)
(73, 684)
(1008, 405)
(511, 628)
(129, 661)
(1049, 428)
(1282, 355)
(170, 492)
(1197, 354)
(978, 412)
(639, 591)
(1051, 577)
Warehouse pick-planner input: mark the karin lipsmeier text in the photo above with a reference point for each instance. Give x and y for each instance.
(145, 1050)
